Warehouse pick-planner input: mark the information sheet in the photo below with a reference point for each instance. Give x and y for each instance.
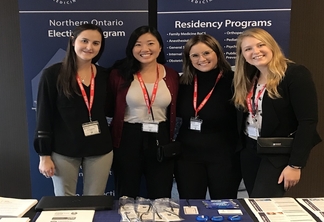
(278, 209)
(66, 216)
(13, 207)
(315, 205)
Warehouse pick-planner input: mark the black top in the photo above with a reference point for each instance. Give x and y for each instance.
(218, 115)
(218, 112)
(59, 119)
(296, 111)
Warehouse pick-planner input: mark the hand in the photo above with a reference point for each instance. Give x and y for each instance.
(46, 166)
(290, 176)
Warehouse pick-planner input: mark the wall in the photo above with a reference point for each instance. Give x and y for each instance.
(14, 154)
(306, 47)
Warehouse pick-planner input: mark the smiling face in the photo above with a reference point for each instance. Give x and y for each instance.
(202, 57)
(87, 45)
(256, 52)
(146, 49)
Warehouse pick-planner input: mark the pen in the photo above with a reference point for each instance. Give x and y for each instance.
(188, 203)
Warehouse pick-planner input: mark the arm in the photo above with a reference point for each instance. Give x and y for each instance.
(303, 99)
(44, 123)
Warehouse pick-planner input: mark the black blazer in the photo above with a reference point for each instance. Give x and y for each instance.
(296, 110)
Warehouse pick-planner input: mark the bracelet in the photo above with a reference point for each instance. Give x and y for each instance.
(295, 167)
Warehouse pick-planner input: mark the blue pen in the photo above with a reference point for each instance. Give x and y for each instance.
(234, 218)
(217, 218)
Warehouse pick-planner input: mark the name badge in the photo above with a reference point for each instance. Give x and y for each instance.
(151, 127)
(91, 128)
(253, 131)
(195, 124)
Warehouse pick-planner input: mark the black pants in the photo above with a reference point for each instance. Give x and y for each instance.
(206, 164)
(136, 157)
(260, 174)
(194, 177)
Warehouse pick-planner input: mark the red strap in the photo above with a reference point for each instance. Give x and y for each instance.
(149, 102)
(252, 102)
(84, 95)
(195, 94)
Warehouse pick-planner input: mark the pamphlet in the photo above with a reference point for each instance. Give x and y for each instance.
(14, 219)
(13, 207)
(278, 209)
(315, 205)
(220, 204)
(66, 216)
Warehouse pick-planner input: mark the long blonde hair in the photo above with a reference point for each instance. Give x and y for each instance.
(245, 72)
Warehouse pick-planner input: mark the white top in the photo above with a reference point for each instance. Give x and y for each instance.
(253, 124)
(136, 109)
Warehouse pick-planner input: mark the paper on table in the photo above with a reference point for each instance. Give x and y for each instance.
(66, 216)
(12, 219)
(13, 207)
(278, 209)
(315, 205)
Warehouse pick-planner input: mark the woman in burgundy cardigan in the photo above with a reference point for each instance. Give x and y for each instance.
(143, 107)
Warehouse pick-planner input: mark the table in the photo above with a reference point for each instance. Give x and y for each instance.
(113, 216)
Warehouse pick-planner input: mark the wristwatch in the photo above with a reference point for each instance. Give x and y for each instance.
(295, 167)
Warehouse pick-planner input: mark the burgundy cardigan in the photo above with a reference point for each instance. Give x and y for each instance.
(117, 103)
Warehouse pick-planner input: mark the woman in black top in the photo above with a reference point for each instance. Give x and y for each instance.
(208, 132)
(72, 129)
(275, 98)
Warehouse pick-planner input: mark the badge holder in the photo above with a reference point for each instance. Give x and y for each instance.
(195, 123)
(151, 127)
(91, 128)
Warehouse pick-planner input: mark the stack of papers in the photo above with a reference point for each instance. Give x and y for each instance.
(14, 219)
(13, 207)
(66, 216)
(278, 209)
(315, 205)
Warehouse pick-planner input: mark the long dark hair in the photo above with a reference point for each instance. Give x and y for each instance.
(66, 81)
(130, 65)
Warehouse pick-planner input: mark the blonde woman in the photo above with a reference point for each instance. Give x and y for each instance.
(275, 98)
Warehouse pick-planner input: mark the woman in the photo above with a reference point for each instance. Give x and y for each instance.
(72, 130)
(145, 93)
(208, 133)
(276, 98)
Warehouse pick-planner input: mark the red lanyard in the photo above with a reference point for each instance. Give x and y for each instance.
(84, 95)
(149, 102)
(195, 94)
(252, 102)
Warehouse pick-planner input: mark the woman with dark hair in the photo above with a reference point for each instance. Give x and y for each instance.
(275, 98)
(208, 133)
(72, 129)
(144, 111)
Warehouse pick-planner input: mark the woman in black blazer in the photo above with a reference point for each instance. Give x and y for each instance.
(275, 98)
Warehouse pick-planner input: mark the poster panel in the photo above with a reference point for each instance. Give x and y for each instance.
(45, 28)
(179, 20)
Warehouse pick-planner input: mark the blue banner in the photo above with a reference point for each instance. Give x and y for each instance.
(45, 28)
(179, 20)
